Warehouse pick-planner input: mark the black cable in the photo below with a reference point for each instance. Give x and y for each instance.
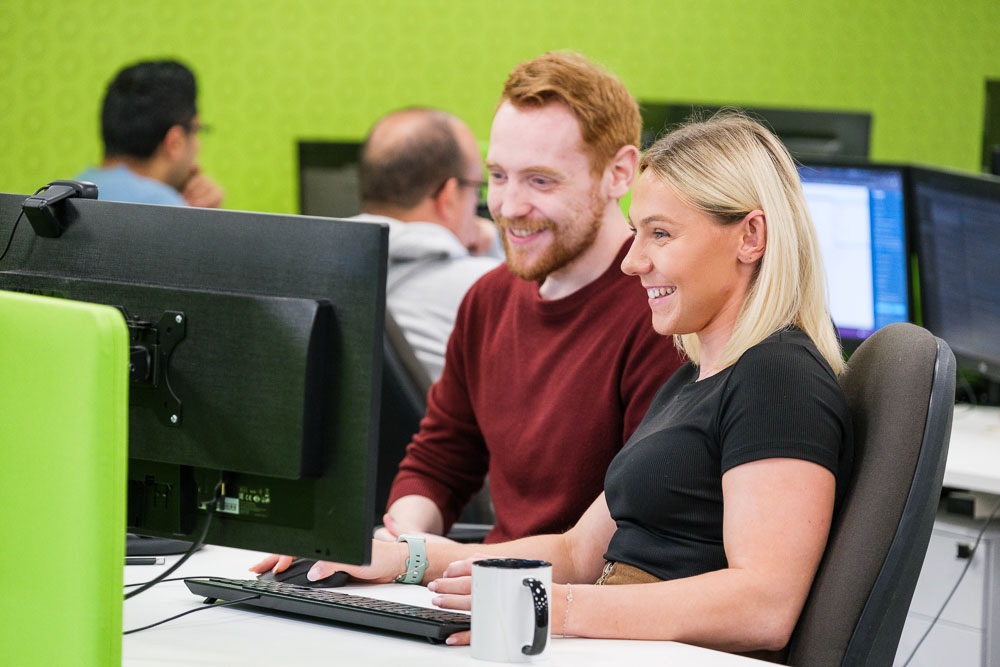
(965, 569)
(969, 389)
(190, 611)
(210, 507)
(11, 239)
(184, 578)
(16, 223)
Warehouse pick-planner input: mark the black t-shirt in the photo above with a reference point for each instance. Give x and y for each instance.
(664, 489)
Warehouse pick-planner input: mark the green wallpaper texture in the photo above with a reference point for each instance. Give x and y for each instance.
(271, 72)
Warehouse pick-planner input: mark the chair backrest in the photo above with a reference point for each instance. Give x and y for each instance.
(64, 442)
(900, 387)
(405, 383)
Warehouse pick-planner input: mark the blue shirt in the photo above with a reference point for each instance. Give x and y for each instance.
(121, 184)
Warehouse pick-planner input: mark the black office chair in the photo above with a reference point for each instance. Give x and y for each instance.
(405, 383)
(900, 386)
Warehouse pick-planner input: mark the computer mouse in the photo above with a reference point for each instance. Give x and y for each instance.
(296, 574)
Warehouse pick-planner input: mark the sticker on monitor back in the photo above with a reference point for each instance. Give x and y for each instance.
(229, 506)
(253, 502)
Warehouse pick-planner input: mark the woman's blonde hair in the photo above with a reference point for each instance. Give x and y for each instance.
(728, 166)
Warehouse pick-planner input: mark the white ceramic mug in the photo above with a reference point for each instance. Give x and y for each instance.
(510, 608)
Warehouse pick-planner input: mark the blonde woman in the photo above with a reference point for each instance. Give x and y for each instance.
(717, 510)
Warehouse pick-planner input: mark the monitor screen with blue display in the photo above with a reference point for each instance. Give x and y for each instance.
(860, 218)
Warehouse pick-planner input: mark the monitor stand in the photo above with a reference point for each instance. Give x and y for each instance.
(143, 545)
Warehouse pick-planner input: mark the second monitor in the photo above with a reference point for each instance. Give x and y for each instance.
(860, 218)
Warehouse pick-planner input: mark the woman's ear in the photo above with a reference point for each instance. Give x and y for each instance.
(754, 237)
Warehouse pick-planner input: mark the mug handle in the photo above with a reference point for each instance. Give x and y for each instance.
(540, 601)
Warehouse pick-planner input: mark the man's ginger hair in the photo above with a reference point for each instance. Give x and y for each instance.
(608, 115)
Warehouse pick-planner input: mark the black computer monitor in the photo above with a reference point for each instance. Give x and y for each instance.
(329, 183)
(860, 217)
(957, 229)
(256, 361)
(807, 133)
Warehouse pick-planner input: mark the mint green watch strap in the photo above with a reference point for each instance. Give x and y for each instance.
(416, 564)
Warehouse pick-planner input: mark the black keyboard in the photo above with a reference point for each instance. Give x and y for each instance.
(434, 624)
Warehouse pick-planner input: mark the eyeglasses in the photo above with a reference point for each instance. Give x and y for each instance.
(193, 127)
(464, 182)
(479, 186)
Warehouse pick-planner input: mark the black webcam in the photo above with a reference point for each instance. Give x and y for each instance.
(44, 210)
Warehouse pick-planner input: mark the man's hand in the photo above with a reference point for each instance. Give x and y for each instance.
(485, 238)
(202, 191)
(392, 529)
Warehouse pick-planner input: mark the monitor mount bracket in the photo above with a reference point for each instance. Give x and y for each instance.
(150, 348)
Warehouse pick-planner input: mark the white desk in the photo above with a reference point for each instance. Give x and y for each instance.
(227, 636)
(968, 633)
(974, 452)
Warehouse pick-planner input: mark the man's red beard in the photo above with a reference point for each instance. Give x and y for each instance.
(564, 247)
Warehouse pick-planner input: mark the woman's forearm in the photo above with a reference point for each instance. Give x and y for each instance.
(730, 610)
(551, 548)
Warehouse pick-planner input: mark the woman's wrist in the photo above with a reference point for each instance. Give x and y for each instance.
(559, 609)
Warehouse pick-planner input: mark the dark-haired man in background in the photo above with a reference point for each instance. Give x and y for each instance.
(421, 173)
(150, 126)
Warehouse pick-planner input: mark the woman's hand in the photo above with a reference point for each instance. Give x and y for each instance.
(388, 562)
(454, 590)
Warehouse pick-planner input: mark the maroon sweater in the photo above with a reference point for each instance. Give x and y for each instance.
(539, 394)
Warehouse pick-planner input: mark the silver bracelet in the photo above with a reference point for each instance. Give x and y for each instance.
(569, 601)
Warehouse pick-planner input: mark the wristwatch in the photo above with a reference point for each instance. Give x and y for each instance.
(416, 563)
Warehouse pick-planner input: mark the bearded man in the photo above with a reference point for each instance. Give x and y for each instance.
(552, 362)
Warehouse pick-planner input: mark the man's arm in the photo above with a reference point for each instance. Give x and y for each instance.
(412, 515)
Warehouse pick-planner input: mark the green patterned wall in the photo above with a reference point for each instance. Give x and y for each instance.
(272, 72)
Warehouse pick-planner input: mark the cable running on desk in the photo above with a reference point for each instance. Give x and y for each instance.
(954, 588)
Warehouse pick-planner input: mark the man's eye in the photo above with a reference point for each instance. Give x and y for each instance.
(541, 181)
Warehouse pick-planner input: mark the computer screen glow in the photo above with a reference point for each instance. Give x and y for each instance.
(859, 214)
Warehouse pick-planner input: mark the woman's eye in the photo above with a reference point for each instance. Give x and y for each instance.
(660, 234)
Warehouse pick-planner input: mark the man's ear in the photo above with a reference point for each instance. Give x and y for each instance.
(620, 172)
(754, 237)
(446, 199)
(174, 141)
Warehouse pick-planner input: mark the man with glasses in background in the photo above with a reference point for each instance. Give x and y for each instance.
(150, 126)
(421, 173)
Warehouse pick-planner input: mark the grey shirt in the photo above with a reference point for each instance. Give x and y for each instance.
(429, 273)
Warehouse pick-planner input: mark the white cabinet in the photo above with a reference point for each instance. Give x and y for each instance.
(968, 632)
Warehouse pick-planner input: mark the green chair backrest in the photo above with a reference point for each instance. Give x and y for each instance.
(63, 457)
